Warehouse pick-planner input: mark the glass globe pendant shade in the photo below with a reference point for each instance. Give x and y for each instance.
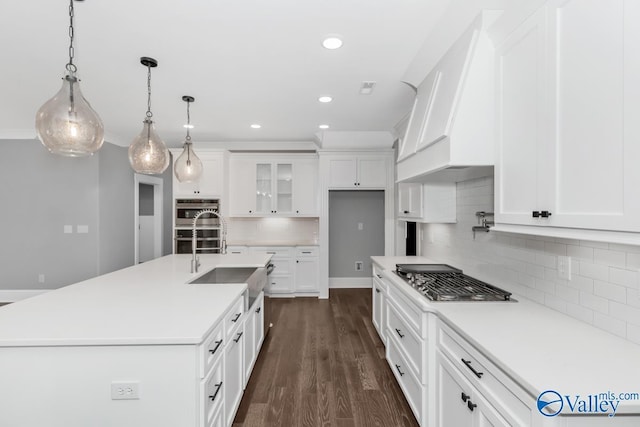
(188, 167)
(67, 125)
(147, 153)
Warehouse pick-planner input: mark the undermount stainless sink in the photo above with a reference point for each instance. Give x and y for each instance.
(225, 275)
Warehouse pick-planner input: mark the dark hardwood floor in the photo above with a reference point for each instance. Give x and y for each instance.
(323, 365)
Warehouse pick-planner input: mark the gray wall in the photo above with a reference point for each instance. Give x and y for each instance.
(116, 244)
(347, 244)
(41, 193)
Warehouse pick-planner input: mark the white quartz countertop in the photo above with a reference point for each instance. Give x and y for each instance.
(145, 304)
(272, 243)
(541, 349)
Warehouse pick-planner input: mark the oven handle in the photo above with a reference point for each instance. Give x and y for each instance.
(270, 267)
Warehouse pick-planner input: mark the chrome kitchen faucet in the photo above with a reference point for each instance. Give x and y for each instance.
(195, 261)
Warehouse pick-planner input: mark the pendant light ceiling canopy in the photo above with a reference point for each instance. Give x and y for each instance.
(66, 124)
(148, 154)
(188, 167)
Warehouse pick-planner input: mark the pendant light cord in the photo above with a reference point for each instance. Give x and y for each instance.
(70, 65)
(188, 138)
(149, 113)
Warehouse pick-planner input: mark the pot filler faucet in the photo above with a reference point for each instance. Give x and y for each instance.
(195, 261)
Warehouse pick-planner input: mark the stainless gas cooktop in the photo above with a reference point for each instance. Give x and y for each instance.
(441, 282)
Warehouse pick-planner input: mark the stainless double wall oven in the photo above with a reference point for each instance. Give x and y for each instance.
(208, 231)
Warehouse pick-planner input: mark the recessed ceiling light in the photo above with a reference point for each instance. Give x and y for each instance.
(325, 99)
(255, 126)
(332, 42)
(323, 126)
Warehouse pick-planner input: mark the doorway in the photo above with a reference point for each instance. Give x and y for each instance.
(148, 202)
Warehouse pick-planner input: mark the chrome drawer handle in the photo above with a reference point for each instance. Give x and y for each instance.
(399, 333)
(238, 338)
(399, 371)
(215, 394)
(306, 252)
(468, 365)
(236, 318)
(218, 344)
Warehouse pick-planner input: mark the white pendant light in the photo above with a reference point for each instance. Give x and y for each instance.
(188, 167)
(66, 124)
(147, 153)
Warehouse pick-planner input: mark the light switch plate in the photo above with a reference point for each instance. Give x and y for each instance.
(564, 267)
(82, 229)
(68, 229)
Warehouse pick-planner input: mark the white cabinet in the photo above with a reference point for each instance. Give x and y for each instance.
(211, 183)
(358, 172)
(568, 101)
(253, 331)
(460, 368)
(459, 403)
(452, 122)
(266, 186)
(234, 373)
(281, 279)
(307, 269)
(433, 202)
(379, 303)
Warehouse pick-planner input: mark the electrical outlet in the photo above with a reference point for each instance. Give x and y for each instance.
(360, 226)
(359, 266)
(564, 267)
(125, 390)
(40, 278)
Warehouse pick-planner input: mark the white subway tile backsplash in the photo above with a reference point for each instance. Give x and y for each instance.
(622, 277)
(555, 248)
(580, 312)
(568, 294)
(610, 324)
(633, 261)
(580, 252)
(546, 286)
(594, 271)
(593, 302)
(610, 291)
(624, 312)
(609, 257)
(605, 286)
(633, 333)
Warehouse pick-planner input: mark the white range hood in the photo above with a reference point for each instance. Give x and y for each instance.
(450, 134)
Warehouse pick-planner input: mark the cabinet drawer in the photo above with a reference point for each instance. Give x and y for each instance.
(280, 284)
(282, 266)
(234, 317)
(414, 348)
(511, 401)
(413, 391)
(275, 251)
(379, 279)
(212, 394)
(218, 419)
(211, 349)
(302, 251)
(410, 312)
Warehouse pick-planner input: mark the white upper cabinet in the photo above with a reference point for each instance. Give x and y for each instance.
(568, 108)
(452, 121)
(433, 202)
(358, 172)
(273, 186)
(210, 184)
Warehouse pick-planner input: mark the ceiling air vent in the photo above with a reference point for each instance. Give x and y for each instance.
(367, 87)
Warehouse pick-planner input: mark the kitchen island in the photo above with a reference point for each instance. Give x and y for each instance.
(136, 347)
(501, 356)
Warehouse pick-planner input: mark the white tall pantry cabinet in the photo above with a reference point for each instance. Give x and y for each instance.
(568, 107)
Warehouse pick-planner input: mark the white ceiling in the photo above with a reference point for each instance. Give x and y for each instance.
(244, 61)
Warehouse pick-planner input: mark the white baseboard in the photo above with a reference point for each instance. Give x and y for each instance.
(13, 295)
(350, 282)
